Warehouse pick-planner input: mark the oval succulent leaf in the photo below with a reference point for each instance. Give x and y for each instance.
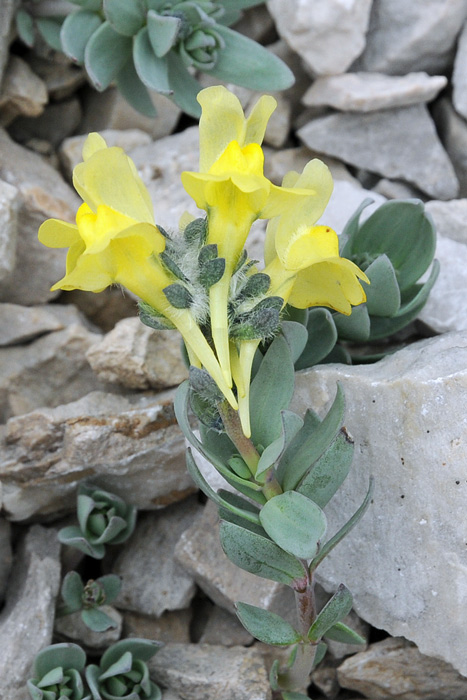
(163, 31)
(355, 327)
(106, 53)
(76, 31)
(65, 655)
(266, 626)
(125, 17)
(322, 337)
(134, 91)
(152, 70)
(294, 523)
(383, 297)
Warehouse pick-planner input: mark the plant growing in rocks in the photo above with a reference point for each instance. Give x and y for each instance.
(88, 598)
(103, 518)
(155, 44)
(243, 330)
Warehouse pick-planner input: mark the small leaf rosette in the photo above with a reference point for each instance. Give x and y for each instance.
(103, 517)
(123, 672)
(89, 598)
(57, 674)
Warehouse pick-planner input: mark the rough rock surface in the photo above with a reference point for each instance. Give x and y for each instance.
(127, 445)
(418, 35)
(449, 218)
(6, 555)
(459, 75)
(152, 581)
(201, 671)
(23, 92)
(367, 92)
(397, 143)
(328, 36)
(454, 135)
(9, 204)
(394, 668)
(138, 357)
(71, 628)
(26, 622)
(404, 415)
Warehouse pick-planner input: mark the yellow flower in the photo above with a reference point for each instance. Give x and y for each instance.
(115, 240)
(233, 190)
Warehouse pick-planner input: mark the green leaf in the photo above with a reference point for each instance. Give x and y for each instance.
(341, 633)
(142, 649)
(296, 336)
(320, 653)
(268, 398)
(383, 296)
(163, 32)
(236, 515)
(125, 17)
(246, 63)
(356, 517)
(106, 53)
(50, 31)
(337, 608)
(112, 585)
(92, 5)
(329, 471)
(134, 91)
(64, 655)
(291, 424)
(259, 555)
(76, 31)
(73, 537)
(355, 327)
(72, 591)
(295, 523)
(322, 337)
(310, 443)
(351, 229)
(53, 677)
(382, 327)
(266, 626)
(97, 620)
(25, 27)
(293, 695)
(185, 87)
(152, 71)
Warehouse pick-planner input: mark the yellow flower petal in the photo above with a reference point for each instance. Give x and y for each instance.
(306, 246)
(94, 142)
(333, 283)
(58, 234)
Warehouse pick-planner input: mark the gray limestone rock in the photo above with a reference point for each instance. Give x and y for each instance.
(138, 357)
(152, 581)
(450, 218)
(23, 92)
(368, 92)
(396, 143)
(453, 131)
(171, 626)
(446, 308)
(394, 668)
(43, 194)
(224, 628)
(7, 14)
(58, 121)
(406, 561)
(9, 204)
(201, 671)
(410, 36)
(129, 445)
(71, 628)
(50, 371)
(6, 556)
(26, 622)
(327, 36)
(459, 75)
(19, 324)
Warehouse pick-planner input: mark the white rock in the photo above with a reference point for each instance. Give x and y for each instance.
(409, 36)
(459, 75)
(446, 308)
(450, 218)
(397, 143)
(453, 131)
(367, 92)
(138, 357)
(19, 324)
(328, 36)
(345, 199)
(406, 561)
(23, 92)
(9, 204)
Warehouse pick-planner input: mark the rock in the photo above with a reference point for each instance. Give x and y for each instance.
(23, 92)
(129, 445)
(199, 551)
(62, 79)
(394, 668)
(20, 324)
(9, 204)
(396, 189)
(446, 308)
(152, 582)
(278, 128)
(373, 141)
(72, 147)
(171, 626)
(8, 10)
(104, 309)
(200, 671)
(71, 628)
(58, 120)
(459, 80)
(224, 628)
(403, 413)
(43, 194)
(325, 679)
(368, 92)
(6, 556)
(138, 357)
(404, 37)
(281, 162)
(47, 372)
(26, 622)
(453, 130)
(109, 110)
(449, 218)
(327, 37)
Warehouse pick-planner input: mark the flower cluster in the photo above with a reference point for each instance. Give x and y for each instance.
(203, 282)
